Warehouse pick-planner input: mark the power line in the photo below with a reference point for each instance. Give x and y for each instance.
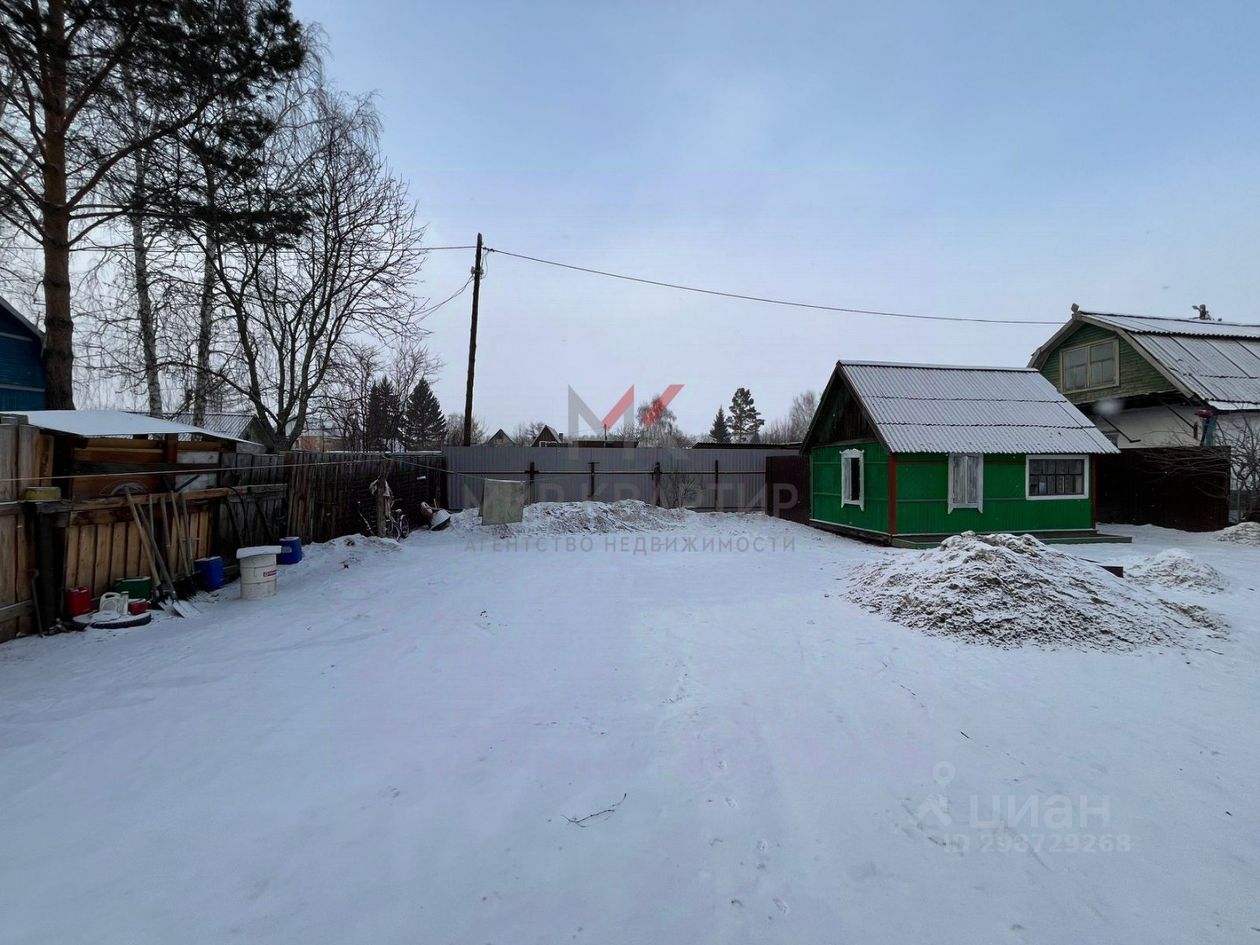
(770, 301)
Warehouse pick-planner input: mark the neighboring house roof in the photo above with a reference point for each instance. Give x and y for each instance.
(919, 408)
(546, 436)
(18, 316)
(108, 423)
(1215, 362)
(229, 424)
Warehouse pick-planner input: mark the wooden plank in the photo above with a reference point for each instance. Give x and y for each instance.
(22, 571)
(8, 561)
(27, 458)
(118, 549)
(72, 555)
(103, 575)
(8, 462)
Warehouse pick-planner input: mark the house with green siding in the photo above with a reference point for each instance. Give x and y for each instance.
(908, 454)
(1150, 382)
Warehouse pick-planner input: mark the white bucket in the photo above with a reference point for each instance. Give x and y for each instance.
(258, 571)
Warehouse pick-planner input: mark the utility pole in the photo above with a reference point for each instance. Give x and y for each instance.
(472, 346)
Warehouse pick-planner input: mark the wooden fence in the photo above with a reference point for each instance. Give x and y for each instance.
(21, 461)
(247, 499)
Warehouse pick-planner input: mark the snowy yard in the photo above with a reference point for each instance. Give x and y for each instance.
(448, 743)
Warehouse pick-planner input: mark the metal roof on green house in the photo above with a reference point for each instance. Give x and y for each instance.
(917, 408)
(1215, 362)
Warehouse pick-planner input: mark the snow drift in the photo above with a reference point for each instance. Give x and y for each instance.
(1011, 590)
(1244, 533)
(1176, 568)
(569, 518)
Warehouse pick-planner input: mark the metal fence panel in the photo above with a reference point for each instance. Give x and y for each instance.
(703, 479)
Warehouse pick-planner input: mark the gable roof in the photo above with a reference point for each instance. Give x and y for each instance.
(920, 408)
(1216, 362)
(21, 319)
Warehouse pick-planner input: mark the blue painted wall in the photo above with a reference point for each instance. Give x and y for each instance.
(21, 364)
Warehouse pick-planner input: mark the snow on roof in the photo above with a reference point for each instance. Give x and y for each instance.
(941, 409)
(108, 423)
(1217, 362)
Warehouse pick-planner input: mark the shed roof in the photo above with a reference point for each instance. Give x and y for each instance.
(109, 423)
(1216, 362)
(917, 408)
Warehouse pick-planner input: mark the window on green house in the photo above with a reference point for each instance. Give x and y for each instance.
(966, 481)
(1056, 477)
(1085, 367)
(852, 463)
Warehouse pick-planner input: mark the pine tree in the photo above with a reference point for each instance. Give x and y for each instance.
(384, 416)
(424, 425)
(720, 432)
(745, 419)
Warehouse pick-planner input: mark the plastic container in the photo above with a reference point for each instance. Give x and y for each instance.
(292, 550)
(78, 601)
(140, 588)
(258, 571)
(210, 572)
(137, 607)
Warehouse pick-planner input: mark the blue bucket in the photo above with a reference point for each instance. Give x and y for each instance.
(292, 552)
(210, 571)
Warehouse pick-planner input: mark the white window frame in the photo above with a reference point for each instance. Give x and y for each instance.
(845, 456)
(953, 503)
(1051, 498)
(1063, 375)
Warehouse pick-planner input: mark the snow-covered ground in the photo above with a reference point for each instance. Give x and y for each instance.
(681, 736)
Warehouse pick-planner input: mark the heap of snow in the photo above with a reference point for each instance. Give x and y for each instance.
(1244, 533)
(569, 518)
(349, 549)
(1176, 568)
(1010, 590)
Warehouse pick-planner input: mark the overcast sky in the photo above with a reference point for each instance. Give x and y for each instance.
(1002, 160)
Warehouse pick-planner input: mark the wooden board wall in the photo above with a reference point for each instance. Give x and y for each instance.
(22, 457)
(104, 547)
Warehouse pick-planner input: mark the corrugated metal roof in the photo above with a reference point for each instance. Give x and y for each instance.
(940, 409)
(108, 423)
(1216, 362)
(1225, 372)
(230, 424)
(1148, 324)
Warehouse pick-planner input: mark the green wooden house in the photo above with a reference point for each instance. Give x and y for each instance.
(908, 454)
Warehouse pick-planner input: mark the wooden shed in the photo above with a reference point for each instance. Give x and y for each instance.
(908, 454)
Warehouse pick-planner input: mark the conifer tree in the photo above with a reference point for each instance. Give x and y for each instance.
(720, 432)
(745, 419)
(424, 425)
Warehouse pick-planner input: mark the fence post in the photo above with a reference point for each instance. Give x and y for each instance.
(532, 471)
(656, 484)
(717, 488)
(382, 502)
(592, 480)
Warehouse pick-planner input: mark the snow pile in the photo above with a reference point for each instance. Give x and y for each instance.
(349, 549)
(1176, 568)
(1009, 590)
(1244, 533)
(569, 518)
